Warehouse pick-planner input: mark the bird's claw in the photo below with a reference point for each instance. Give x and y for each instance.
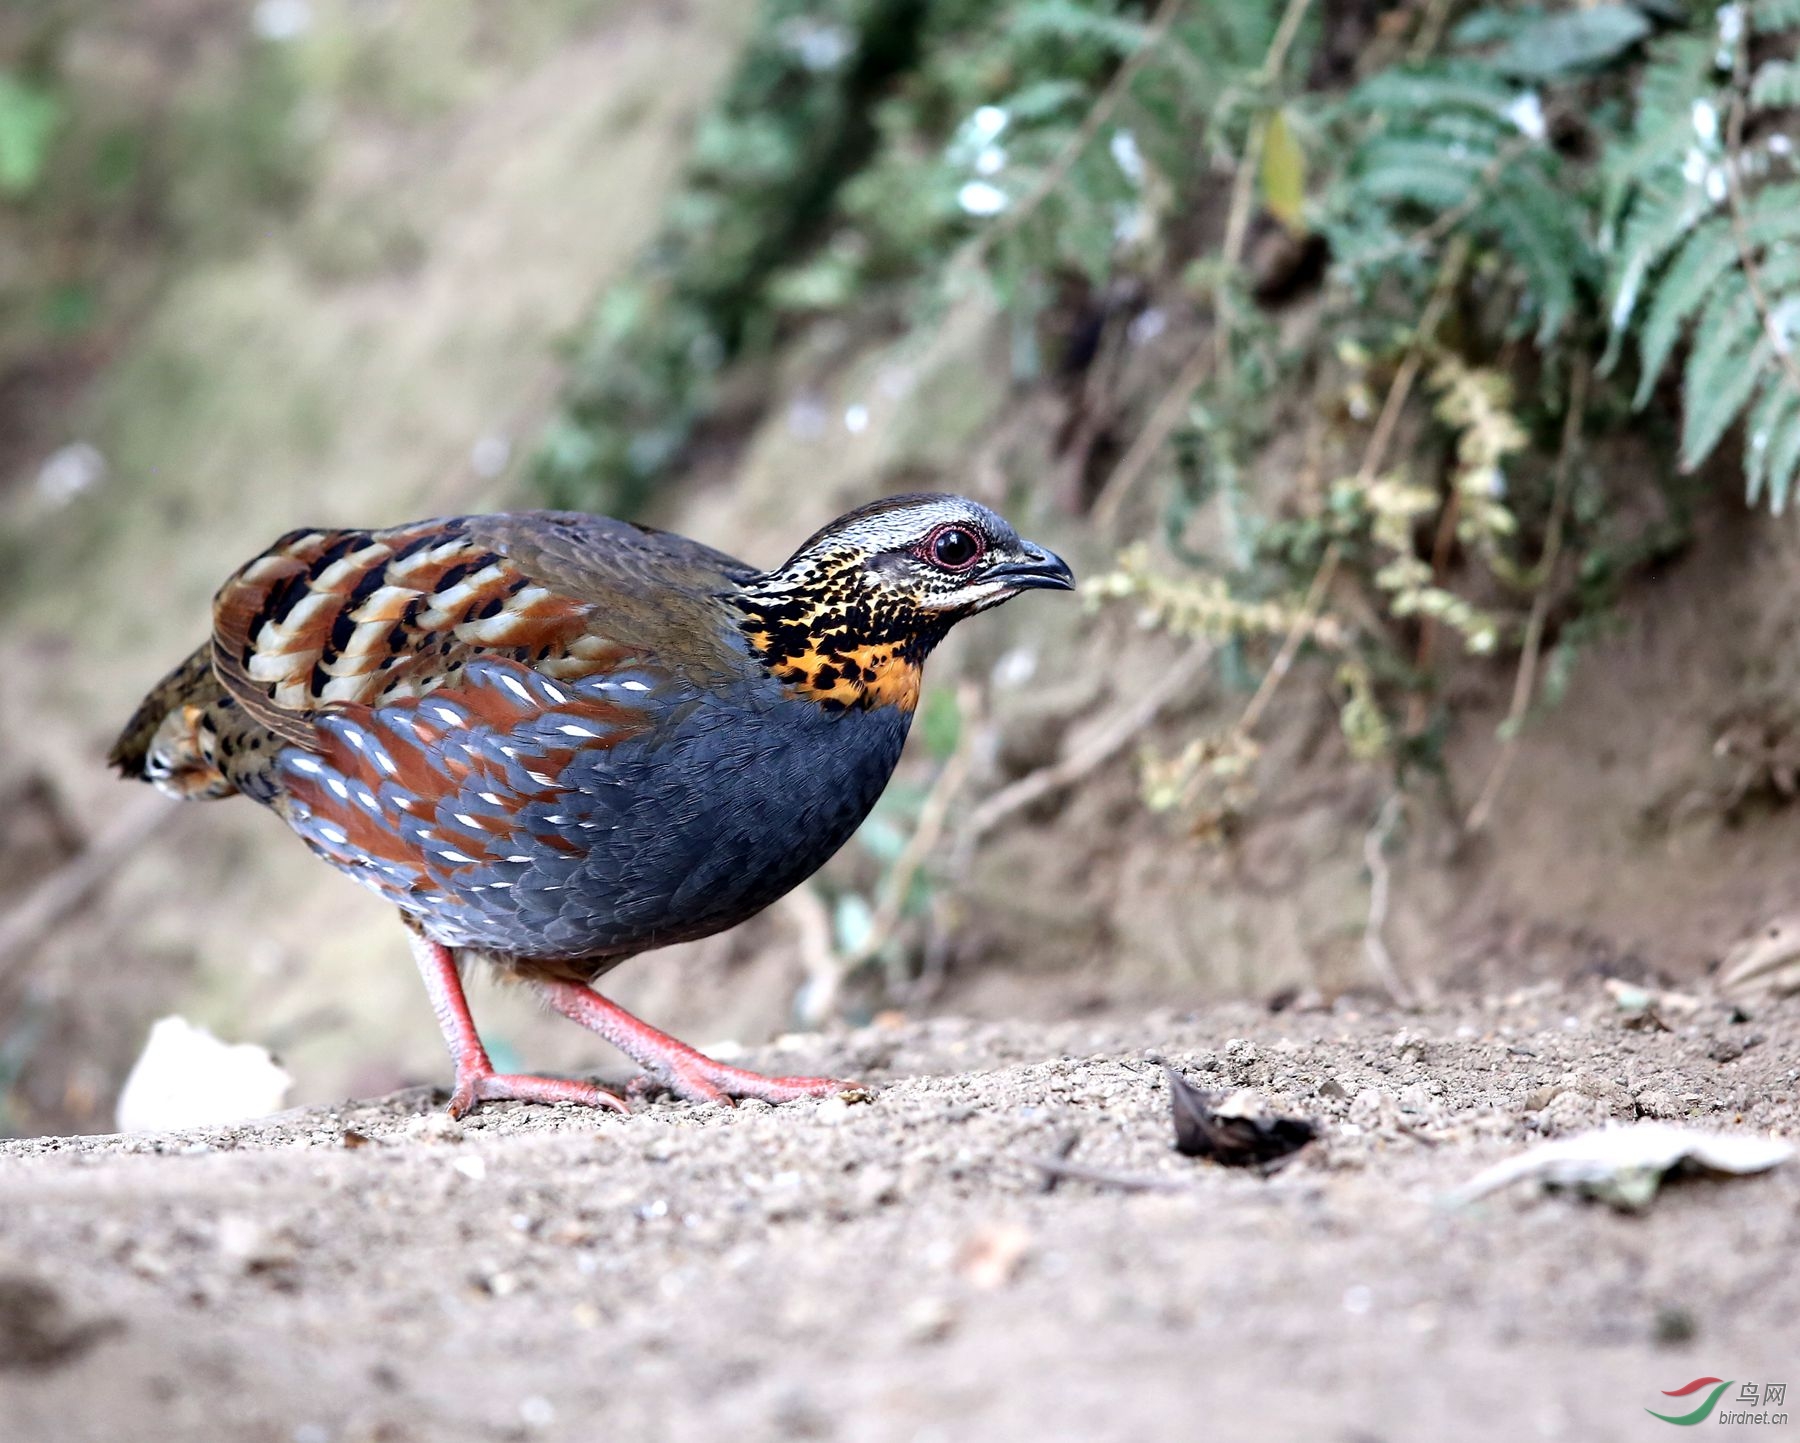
(709, 1081)
(473, 1088)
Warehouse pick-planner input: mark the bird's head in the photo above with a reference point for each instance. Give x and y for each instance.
(849, 618)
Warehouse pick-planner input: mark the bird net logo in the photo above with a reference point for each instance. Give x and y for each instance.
(1754, 1403)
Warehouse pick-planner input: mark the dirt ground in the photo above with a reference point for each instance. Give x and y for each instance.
(899, 1269)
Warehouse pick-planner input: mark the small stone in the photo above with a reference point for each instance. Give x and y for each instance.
(1611, 1095)
(877, 1186)
(927, 1320)
(1541, 1097)
(1244, 1103)
(1333, 1089)
(1372, 1108)
(248, 1243)
(472, 1167)
(435, 1127)
(1674, 1325)
(991, 1257)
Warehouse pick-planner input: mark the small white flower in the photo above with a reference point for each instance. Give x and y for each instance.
(979, 197)
(1527, 113)
(282, 19)
(989, 121)
(817, 44)
(1127, 156)
(991, 160)
(1706, 121)
(69, 471)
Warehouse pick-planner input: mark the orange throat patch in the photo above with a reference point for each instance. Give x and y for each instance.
(839, 644)
(864, 676)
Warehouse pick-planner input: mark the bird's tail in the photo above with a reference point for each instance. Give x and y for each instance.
(170, 740)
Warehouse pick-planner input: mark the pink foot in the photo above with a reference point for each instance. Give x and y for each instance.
(670, 1064)
(473, 1087)
(697, 1078)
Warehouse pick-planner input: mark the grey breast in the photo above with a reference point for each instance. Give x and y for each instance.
(736, 797)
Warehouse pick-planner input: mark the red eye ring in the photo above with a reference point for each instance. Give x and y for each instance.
(953, 547)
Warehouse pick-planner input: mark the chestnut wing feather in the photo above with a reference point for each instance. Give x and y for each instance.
(438, 684)
(327, 619)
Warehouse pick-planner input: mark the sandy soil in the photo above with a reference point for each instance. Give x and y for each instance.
(899, 1269)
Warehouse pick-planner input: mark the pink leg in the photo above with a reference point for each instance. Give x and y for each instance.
(476, 1080)
(685, 1072)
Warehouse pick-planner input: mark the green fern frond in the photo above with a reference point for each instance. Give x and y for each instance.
(1707, 255)
(1777, 84)
(1066, 20)
(1667, 210)
(1772, 17)
(1409, 170)
(1437, 90)
(1783, 455)
(1723, 368)
(1775, 414)
(1680, 74)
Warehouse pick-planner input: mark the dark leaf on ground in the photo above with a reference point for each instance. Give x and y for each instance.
(1201, 1130)
(36, 1331)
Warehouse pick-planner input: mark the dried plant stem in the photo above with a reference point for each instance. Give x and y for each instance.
(1449, 273)
(826, 968)
(1431, 30)
(1375, 948)
(71, 886)
(1170, 409)
(1525, 681)
(934, 814)
(1163, 421)
(1105, 744)
(811, 920)
(1237, 219)
(1374, 454)
(1058, 1168)
(1301, 628)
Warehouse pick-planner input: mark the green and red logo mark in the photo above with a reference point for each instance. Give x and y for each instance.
(1700, 1414)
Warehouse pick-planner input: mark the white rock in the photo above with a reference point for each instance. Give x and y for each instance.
(186, 1077)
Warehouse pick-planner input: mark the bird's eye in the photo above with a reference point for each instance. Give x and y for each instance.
(955, 549)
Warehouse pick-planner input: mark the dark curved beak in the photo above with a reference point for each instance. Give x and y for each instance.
(1036, 569)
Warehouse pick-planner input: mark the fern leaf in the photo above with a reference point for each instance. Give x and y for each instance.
(1782, 459)
(1543, 46)
(1723, 368)
(1065, 20)
(1436, 90)
(1779, 274)
(1422, 172)
(1777, 84)
(1776, 409)
(1773, 214)
(1707, 254)
(1532, 222)
(1771, 17)
(1667, 208)
(1680, 73)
